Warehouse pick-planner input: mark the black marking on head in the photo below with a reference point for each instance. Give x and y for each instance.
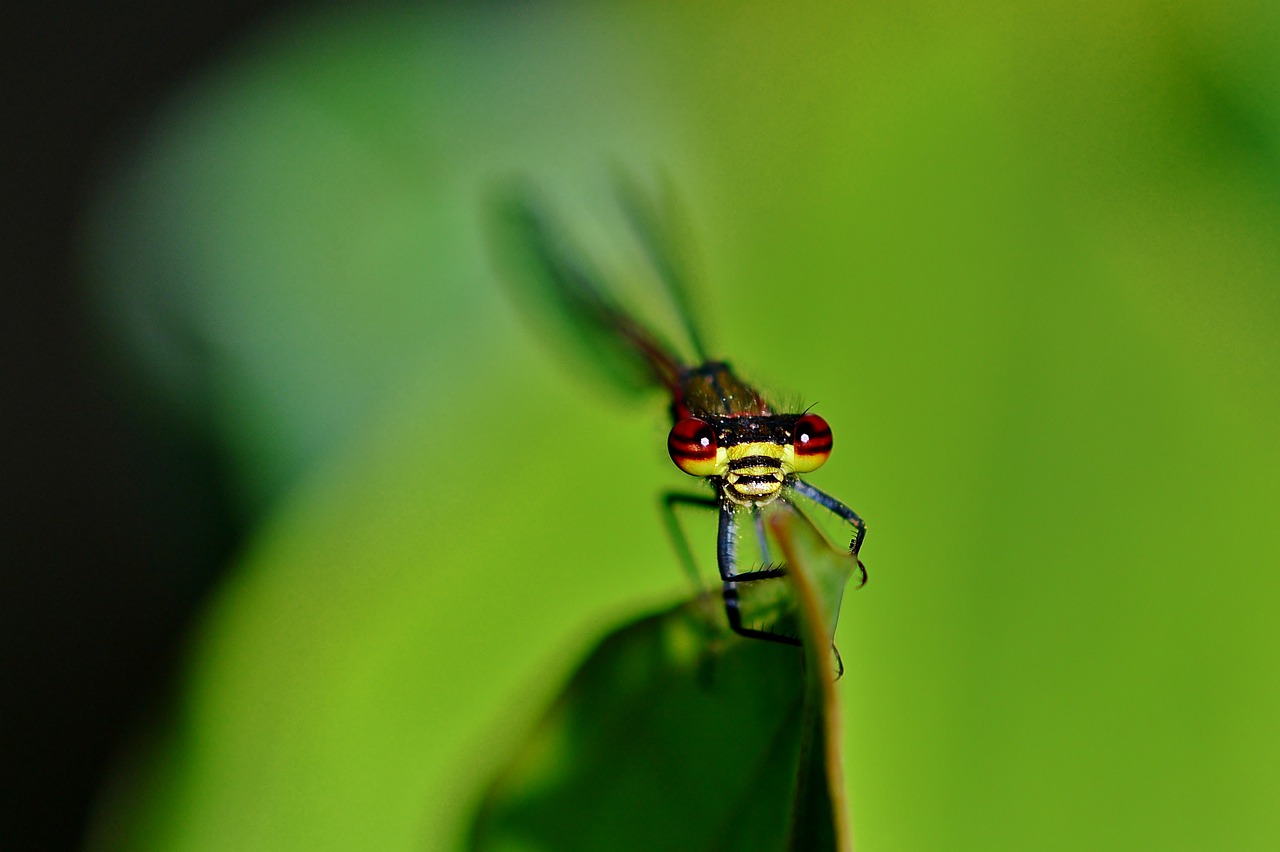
(755, 479)
(772, 429)
(755, 461)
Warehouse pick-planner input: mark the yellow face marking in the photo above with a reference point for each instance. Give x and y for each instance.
(722, 461)
(757, 448)
(754, 489)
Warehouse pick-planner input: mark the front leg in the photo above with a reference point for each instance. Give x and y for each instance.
(727, 558)
(834, 506)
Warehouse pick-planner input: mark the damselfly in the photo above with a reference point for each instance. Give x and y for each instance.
(723, 430)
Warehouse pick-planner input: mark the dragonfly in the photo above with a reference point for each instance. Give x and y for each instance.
(723, 430)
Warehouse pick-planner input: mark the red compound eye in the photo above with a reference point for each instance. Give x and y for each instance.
(692, 444)
(812, 441)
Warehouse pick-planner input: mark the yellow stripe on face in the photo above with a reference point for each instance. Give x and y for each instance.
(757, 448)
(754, 489)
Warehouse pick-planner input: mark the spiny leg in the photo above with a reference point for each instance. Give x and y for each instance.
(727, 548)
(834, 649)
(670, 500)
(727, 558)
(834, 506)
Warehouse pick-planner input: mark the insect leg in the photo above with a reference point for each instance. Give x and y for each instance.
(758, 517)
(727, 558)
(670, 500)
(834, 649)
(834, 506)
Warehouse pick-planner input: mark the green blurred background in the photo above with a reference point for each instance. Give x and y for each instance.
(1023, 257)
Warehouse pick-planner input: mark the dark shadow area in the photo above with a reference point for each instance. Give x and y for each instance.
(113, 524)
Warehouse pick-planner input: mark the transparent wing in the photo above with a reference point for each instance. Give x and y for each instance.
(554, 281)
(656, 223)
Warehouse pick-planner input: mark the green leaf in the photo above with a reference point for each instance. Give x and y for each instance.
(818, 577)
(676, 734)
